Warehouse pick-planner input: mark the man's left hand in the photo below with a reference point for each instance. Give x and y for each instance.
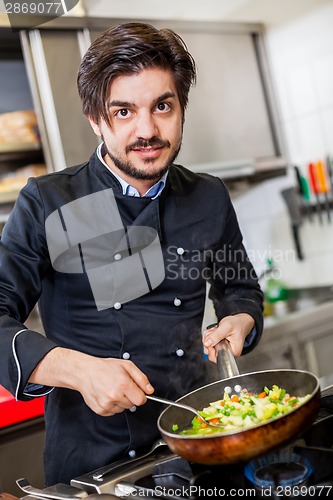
(232, 328)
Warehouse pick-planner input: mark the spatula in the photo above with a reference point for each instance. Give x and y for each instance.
(227, 368)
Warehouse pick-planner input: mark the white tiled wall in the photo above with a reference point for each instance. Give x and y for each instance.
(301, 60)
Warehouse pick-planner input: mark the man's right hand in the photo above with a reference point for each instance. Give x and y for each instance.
(108, 385)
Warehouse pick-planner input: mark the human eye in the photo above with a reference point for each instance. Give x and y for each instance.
(123, 113)
(163, 107)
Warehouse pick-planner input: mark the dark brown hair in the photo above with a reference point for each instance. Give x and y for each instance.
(128, 49)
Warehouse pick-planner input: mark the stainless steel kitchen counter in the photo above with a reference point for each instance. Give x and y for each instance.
(304, 319)
(302, 340)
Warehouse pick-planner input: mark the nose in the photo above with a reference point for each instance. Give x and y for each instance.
(145, 126)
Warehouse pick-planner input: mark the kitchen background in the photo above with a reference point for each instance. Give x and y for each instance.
(299, 45)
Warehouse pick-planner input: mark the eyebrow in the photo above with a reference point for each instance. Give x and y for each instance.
(126, 104)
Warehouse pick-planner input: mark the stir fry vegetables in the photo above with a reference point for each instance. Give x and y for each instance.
(244, 410)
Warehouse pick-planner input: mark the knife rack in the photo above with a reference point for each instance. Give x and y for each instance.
(320, 210)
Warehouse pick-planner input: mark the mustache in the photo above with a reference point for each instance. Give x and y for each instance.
(153, 142)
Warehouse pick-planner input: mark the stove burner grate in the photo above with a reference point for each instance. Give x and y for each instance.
(278, 469)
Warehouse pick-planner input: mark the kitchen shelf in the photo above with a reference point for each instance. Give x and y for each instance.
(19, 147)
(20, 153)
(9, 196)
(13, 157)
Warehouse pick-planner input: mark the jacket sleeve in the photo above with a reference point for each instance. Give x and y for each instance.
(234, 284)
(24, 261)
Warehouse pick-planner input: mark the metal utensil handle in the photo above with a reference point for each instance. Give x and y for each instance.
(99, 475)
(184, 407)
(173, 403)
(226, 364)
(69, 492)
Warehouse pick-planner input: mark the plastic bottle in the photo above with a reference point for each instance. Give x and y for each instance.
(275, 292)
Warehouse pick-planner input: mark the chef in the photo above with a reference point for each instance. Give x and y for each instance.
(117, 252)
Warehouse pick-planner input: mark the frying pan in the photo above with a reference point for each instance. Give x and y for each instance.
(238, 446)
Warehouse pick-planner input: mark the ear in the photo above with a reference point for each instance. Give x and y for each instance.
(95, 126)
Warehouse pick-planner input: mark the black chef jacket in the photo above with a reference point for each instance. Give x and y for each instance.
(160, 331)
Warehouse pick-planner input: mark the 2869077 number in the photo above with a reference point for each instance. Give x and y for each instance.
(33, 7)
(302, 491)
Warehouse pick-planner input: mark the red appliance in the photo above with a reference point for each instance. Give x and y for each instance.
(13, 412)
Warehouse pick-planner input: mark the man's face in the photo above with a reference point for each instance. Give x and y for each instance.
(146, 121)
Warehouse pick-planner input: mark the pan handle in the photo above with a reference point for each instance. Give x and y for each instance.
(226, 363)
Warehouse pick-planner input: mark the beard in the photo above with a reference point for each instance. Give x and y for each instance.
(129, 169)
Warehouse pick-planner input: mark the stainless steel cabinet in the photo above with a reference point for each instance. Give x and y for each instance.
(227, 118)
(317, 348)
(52, 58)
(21, 455)
(19, 142)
